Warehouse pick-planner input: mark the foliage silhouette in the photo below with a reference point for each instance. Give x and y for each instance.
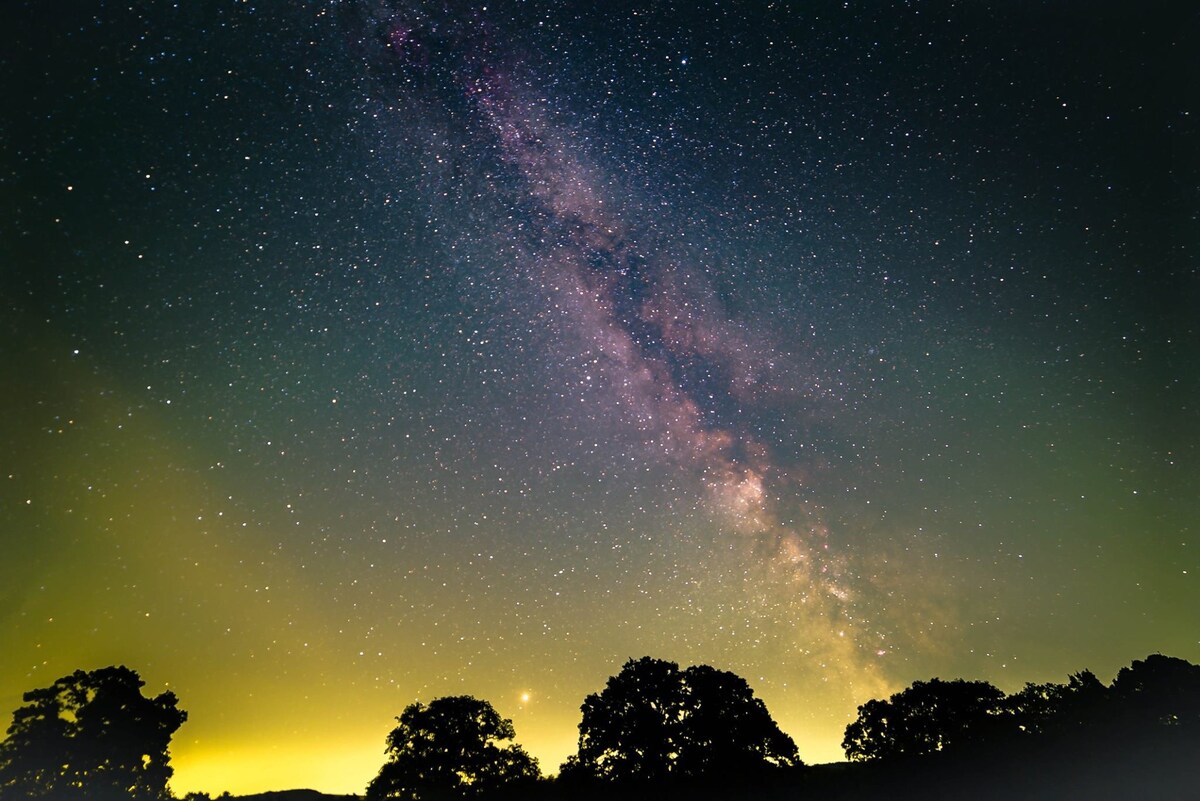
(451, 749)
(661, 733)
(1159, 691)
(926, 718)
(653, 721)
(90, 735)
(1049, 709)
(1136, 738)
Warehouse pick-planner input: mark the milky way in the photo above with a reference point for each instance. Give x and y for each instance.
(358, 353)
(662, 355)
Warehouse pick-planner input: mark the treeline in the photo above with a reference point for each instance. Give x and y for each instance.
(1136, 738)
(658, 731)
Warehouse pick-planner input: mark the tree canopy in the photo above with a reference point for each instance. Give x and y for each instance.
(1159, 691)
(90, 735)
(925, 718)
(1057, 709)
(1152, 699)
(450, 749)
(654, 721)
(95, 736)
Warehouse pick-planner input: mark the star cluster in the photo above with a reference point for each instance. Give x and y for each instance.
(356, 353)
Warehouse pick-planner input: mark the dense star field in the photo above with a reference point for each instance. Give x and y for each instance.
(358, 353)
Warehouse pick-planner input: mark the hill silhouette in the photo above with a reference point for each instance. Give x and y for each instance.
(294, 795)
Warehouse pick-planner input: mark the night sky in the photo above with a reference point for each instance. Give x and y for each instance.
(363, 352)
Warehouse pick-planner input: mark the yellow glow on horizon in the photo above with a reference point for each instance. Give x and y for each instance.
(338, 766)
(342, 759)
(138, 546)
(343, 762)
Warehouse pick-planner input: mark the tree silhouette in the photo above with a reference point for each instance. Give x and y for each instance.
(654, 721)
(630, 729)
(1159, 691)
(91, 735)
(450, 749)
(1054, 709)
(727, 729)
(926, 718)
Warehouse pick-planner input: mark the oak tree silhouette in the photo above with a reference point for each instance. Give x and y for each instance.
(451, 749)
(653, 721)
(90, 735)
